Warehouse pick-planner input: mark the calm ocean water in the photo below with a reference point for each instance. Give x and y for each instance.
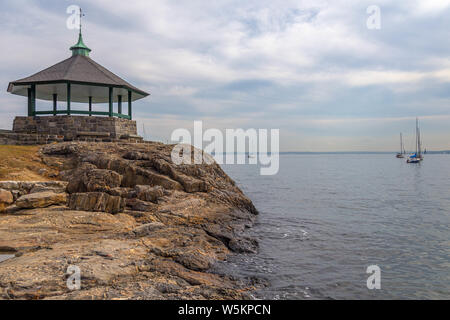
(325, 218)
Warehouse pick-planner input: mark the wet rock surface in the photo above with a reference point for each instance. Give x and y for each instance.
(136, 225)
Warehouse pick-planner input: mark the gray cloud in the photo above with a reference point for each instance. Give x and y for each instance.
(310, 68)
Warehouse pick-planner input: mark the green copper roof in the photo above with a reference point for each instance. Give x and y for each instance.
(80, 48)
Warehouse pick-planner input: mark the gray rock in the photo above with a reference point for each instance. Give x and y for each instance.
(43, 188)
(243, 245)
(9, 185)
(16, 194)
(139, 205)
(25, 187)
(167, 288)
(126, 193)
(194, 261)
(148, 228)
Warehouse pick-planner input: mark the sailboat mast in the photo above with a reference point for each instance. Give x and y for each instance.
(419, 146)
(401, 143)
(417, 135)
(403, 146)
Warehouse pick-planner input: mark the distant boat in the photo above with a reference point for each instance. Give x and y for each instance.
(417, 156)
(402, 150)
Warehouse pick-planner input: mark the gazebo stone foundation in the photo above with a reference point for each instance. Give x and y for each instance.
(72, 127)
(43, 130)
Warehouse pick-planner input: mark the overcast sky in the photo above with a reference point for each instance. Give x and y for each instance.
(309, 68)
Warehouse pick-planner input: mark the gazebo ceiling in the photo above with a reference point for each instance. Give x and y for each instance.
(87, 78)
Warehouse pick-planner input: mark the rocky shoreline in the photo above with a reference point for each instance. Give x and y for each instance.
(136, 225)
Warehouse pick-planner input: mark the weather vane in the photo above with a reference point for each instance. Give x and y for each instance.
(81, 16)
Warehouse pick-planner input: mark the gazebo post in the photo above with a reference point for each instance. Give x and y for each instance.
(55, 99)
(119, 104)
(68, 98)
(110, 101)
(30, 110)
(90, 106)
(129, 104)
(33, 100)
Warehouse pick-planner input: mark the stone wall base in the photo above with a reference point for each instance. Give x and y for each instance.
(44, 130)
(72, 126)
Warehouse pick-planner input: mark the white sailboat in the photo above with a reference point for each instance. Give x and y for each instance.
(416, 157)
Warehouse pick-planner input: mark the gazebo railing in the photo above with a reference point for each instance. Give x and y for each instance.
(83, 112)
(110, 113)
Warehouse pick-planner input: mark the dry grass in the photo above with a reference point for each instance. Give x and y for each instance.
(22, 163)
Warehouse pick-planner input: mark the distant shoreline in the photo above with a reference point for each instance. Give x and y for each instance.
(341, 152)
(362, 152)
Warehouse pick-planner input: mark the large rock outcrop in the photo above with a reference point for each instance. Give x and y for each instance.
(137, 226)
(103, 167)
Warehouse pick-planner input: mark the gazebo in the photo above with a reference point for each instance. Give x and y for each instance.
(77, 79)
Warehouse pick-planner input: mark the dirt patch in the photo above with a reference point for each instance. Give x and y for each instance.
(22, 163)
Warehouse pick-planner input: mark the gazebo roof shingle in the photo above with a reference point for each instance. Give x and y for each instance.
(77, 69)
